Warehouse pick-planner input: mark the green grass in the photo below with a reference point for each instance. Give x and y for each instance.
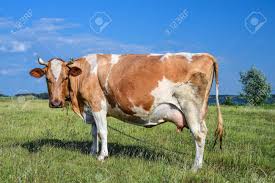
(39, 144)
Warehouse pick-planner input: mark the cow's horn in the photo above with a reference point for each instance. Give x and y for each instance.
(71, 61)
(41, 62)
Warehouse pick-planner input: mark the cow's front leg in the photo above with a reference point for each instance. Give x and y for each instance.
(89, 119)
(101, 123)
(94, 148)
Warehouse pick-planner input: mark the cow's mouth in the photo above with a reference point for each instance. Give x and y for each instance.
(56, 104)
(55, 107)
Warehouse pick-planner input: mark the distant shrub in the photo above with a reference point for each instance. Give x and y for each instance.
(39, 96)
(228, 101)
(256, 89)
(2, 95)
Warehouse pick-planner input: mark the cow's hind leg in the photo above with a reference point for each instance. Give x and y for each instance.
(199, 138)
(198, 129)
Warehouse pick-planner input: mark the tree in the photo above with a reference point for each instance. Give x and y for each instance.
(255, 88)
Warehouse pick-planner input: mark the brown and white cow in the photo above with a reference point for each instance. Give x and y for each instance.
(145, 90)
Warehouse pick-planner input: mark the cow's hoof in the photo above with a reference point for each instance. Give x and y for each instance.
(102, 157)
(195, 168)
(93, 153)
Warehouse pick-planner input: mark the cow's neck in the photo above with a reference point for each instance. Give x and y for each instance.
(76, 85)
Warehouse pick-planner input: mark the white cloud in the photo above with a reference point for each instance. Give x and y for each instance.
(4, 72)
(87, 43)
(51, 24)
(12, 71)
(19, 40)
(14, 46)
(6, 22)
(45, 37)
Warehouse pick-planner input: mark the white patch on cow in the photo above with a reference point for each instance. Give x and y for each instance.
(188, 92)
(84, 116)
(164, 92)
(170, 92)
(92, 60)
(106, 83)
(56, 66)
(187, 55)
(115, 58)
(155, 54)
(165, 56)
(94, 70)
(104, 105)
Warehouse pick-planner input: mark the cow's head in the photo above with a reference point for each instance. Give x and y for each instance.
(57, 74)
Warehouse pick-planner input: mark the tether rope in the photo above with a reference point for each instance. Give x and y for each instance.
(132, 137)
(143, 141)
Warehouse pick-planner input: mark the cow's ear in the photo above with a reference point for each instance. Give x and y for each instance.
(75, 71)
(37, 72)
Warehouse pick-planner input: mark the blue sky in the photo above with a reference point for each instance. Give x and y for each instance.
(67, 29)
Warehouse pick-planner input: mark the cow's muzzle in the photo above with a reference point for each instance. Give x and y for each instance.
(56, 104)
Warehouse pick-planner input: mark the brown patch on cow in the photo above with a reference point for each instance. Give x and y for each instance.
(93, 92)
(86, 87)
(104, 68)
(199, 79)
(132, 79)
(177, 68)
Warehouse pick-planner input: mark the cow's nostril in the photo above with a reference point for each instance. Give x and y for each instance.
(56, 103)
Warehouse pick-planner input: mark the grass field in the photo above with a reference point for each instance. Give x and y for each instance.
(39, 144)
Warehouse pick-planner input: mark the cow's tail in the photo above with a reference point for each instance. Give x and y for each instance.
(219, 130)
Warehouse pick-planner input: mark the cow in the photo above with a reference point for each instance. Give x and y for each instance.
(141, 89)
